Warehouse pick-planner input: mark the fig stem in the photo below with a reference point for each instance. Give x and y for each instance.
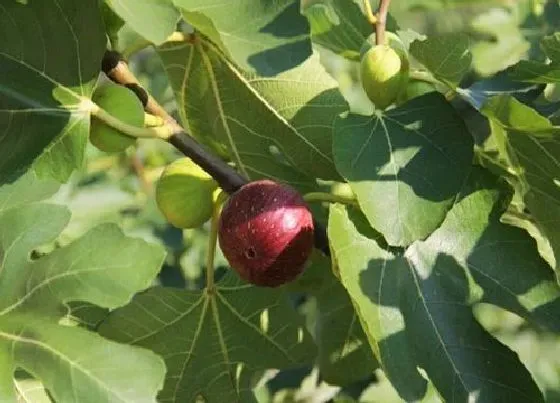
(381, 22)
(369, 13)
(152, 120)
(423, 76)
(161, 132)
(228, 178)
(213, 240)
(329, 198)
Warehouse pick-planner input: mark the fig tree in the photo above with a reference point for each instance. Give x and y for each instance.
(122, 104)
(184, 194)
(384, 73)
(266, 233)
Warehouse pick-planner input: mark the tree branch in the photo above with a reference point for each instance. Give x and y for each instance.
(116, 68)
(381, 23)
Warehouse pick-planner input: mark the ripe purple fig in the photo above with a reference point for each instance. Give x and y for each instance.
(266, 233)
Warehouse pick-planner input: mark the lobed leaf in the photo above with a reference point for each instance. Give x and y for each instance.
(416, 308)
(213, 342)
(102, 268)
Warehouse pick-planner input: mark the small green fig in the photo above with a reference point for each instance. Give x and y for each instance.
(384, 75)
(121, 103)
(185, 194)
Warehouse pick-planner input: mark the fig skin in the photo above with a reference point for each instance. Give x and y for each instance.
(266, 233)
(384, 73)
(122, 104)
(185, 194)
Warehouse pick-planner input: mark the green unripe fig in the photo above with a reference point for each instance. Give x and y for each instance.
(124, 105)
(185, 194)
(415, 88)
(384, 75)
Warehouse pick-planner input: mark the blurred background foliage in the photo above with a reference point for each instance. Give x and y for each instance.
(120, 188)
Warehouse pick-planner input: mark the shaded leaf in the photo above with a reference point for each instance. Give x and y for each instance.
(103, 268)
(551, 47)
(405, 166)
(538, 72)
(503, 260)
(214, 342)
(344, 355)
(340, 25)
(531, 146)
(261, 36)
(502, 83)
(447, 57)
(41, 114)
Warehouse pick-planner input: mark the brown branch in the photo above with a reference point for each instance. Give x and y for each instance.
(381, 23)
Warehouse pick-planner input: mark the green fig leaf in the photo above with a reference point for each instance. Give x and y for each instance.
(447, 57)
(221, 108)
(529, 143)
(340, 25)
(416, 308)
(243, 329)
(538, 72)
(405, 166)
(262, 37)
(103, 268)
(162, 14)
(42, 118)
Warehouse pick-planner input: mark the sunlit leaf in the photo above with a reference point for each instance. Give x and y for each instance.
(103, 268)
